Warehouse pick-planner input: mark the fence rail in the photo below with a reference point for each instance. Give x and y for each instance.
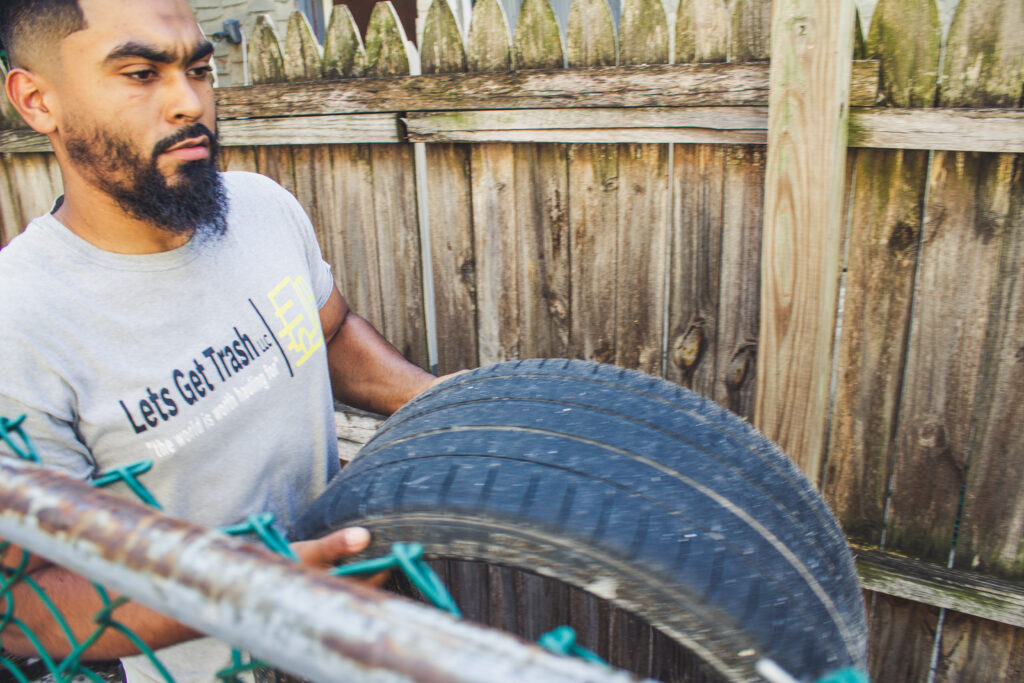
(599, 192)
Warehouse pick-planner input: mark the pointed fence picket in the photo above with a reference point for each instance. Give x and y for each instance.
(585, 199)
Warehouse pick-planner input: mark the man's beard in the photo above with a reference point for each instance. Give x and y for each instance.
(196, 203)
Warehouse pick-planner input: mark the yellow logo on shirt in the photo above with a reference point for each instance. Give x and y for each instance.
(295, 307)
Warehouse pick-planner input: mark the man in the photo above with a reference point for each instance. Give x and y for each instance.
(163, 310)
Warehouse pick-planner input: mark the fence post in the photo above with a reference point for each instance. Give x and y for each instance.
(812, 47)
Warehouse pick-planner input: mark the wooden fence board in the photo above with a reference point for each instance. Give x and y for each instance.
(885, 222)
(696, 270)
(537, 42)
(643, 236)
(803, 221)
(495, 234)
(442, 50)
(590, 37)
(750, 37)
(266, 62)
(739, 302)
(984, 63)
(386, 52)
(989, 40)
(489, 44)
(966, 214)
(975, 649)
(344, 54)
(28, 185)
(957, 130)
(303, 60)
(992, 528)
(901, 634)
(643, 33)
(910, 59)
(593, 218)
(701, 31)
(449, 198)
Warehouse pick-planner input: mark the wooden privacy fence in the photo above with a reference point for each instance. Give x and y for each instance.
(830, 247)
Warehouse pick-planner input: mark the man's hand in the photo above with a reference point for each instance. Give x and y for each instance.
(327, 552)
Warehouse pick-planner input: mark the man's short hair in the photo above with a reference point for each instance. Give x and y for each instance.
(28, 27)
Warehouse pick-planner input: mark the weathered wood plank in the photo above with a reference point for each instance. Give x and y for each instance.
(966, 220)
(885, 222)
(450, 215)
(750, 37)
(979, 130)
(701, 31)
(442, 50)
(643, 237)
(311, 130)
(984, 63)
(593, 220)
(354, 250)
(495, 235)
(677, 85)
(28, 185)
(696, 265)
(265, 59)
(489, 44)
(975, 649)
(590, 37)
(537, 42)
(931, 584)
(910, 58)
(303, 60)
(594, 216)
(803, 224)
(901, 635)
(541, 206)
(992, 531)
(643, 33)
(386, 52)
(739, 303)
(344, 54)
(957, 130)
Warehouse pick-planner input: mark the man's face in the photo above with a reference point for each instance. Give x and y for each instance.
(136, 111)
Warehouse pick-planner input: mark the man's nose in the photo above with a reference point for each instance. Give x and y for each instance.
(184, 101)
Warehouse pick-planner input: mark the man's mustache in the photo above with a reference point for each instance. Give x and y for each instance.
(193, 131)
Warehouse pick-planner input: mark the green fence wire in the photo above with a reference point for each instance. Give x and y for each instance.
(406, 557)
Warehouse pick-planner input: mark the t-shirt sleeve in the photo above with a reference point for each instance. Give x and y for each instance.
(322, 279)
(30, 427)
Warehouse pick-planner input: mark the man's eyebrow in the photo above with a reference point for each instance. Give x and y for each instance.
(152, 53)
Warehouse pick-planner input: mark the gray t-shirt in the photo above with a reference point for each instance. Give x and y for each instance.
(208, 360)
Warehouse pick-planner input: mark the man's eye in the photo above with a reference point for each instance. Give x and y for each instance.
(142, 74)
(201, 72)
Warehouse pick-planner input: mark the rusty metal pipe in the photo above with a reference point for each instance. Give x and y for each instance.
(319, 627)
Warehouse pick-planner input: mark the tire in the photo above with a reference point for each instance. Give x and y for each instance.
(630, 487)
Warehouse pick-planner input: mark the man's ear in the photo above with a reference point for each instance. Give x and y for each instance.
(25, 90)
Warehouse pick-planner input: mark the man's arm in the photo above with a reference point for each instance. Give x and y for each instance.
(78, 602)
(366, 371)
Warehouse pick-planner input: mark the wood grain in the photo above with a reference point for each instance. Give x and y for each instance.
(885, 222)
(930, 584)
(344, 54)
(29, 183)
(303, 60)
(803, 224)
(974, 649)
(910, 59)
(984, 65)
(489, 44)
(536, 42)
(701, 31)
(643, 33)
(266, 62)
(901, 635)
(966, 217)
(442, 50)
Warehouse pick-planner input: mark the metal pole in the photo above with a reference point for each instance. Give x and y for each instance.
(313, 625)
